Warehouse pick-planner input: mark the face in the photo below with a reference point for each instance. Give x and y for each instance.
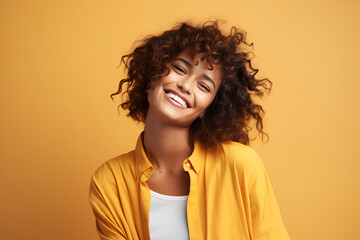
(184, 94)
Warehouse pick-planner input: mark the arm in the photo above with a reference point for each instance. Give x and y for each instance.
(266, 220)
(103, 197)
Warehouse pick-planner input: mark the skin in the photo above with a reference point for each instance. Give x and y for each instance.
(166, 135)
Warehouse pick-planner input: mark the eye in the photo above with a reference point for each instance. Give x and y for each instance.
(204, 87)
(179, 69)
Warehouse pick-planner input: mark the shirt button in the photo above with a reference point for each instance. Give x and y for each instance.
(188, 164)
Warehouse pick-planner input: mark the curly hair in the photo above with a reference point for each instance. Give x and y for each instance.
(229, 117)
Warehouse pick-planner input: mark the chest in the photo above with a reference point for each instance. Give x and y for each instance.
(169, 183)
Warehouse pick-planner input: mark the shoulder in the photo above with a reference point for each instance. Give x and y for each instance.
(238, 149)
(240, 153)
(243, 158)
(117, 167)
(246, 165)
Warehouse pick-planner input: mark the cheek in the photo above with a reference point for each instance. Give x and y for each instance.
(207, 100)
(170, 78)
(204, 101)
(153, 95)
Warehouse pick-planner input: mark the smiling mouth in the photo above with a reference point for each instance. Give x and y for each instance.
(177, 99)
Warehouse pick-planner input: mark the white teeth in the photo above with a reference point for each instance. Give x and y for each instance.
(177, 99)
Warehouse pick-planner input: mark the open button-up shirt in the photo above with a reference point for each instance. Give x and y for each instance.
(230, 196)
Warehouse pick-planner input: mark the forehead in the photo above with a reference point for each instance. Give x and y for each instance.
(199, 58)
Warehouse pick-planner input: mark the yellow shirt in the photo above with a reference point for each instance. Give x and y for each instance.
(230, 196)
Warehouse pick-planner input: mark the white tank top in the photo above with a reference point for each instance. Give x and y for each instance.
(168, 218)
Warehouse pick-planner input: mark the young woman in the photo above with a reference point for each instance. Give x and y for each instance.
(191, 175)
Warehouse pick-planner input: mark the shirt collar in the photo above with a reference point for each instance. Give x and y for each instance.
(143, 165)
(198, 156)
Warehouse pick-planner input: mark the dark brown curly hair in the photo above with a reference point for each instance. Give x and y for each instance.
(231, 114)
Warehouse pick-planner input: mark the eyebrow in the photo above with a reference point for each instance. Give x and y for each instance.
(190, 65)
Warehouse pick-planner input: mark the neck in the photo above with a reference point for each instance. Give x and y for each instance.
(166, 145)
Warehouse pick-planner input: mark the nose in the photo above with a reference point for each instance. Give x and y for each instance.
(186, 85)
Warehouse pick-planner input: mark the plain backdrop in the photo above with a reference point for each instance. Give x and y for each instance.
(58, 66)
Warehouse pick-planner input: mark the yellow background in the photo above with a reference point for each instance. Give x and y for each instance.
(58, 64)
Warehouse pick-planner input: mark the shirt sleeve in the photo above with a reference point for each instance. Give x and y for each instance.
(266, 220)
(102, 197)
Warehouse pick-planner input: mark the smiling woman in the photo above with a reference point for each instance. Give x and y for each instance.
(191, 175)
(184, 93)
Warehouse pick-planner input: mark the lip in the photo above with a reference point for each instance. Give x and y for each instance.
(179, 95)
